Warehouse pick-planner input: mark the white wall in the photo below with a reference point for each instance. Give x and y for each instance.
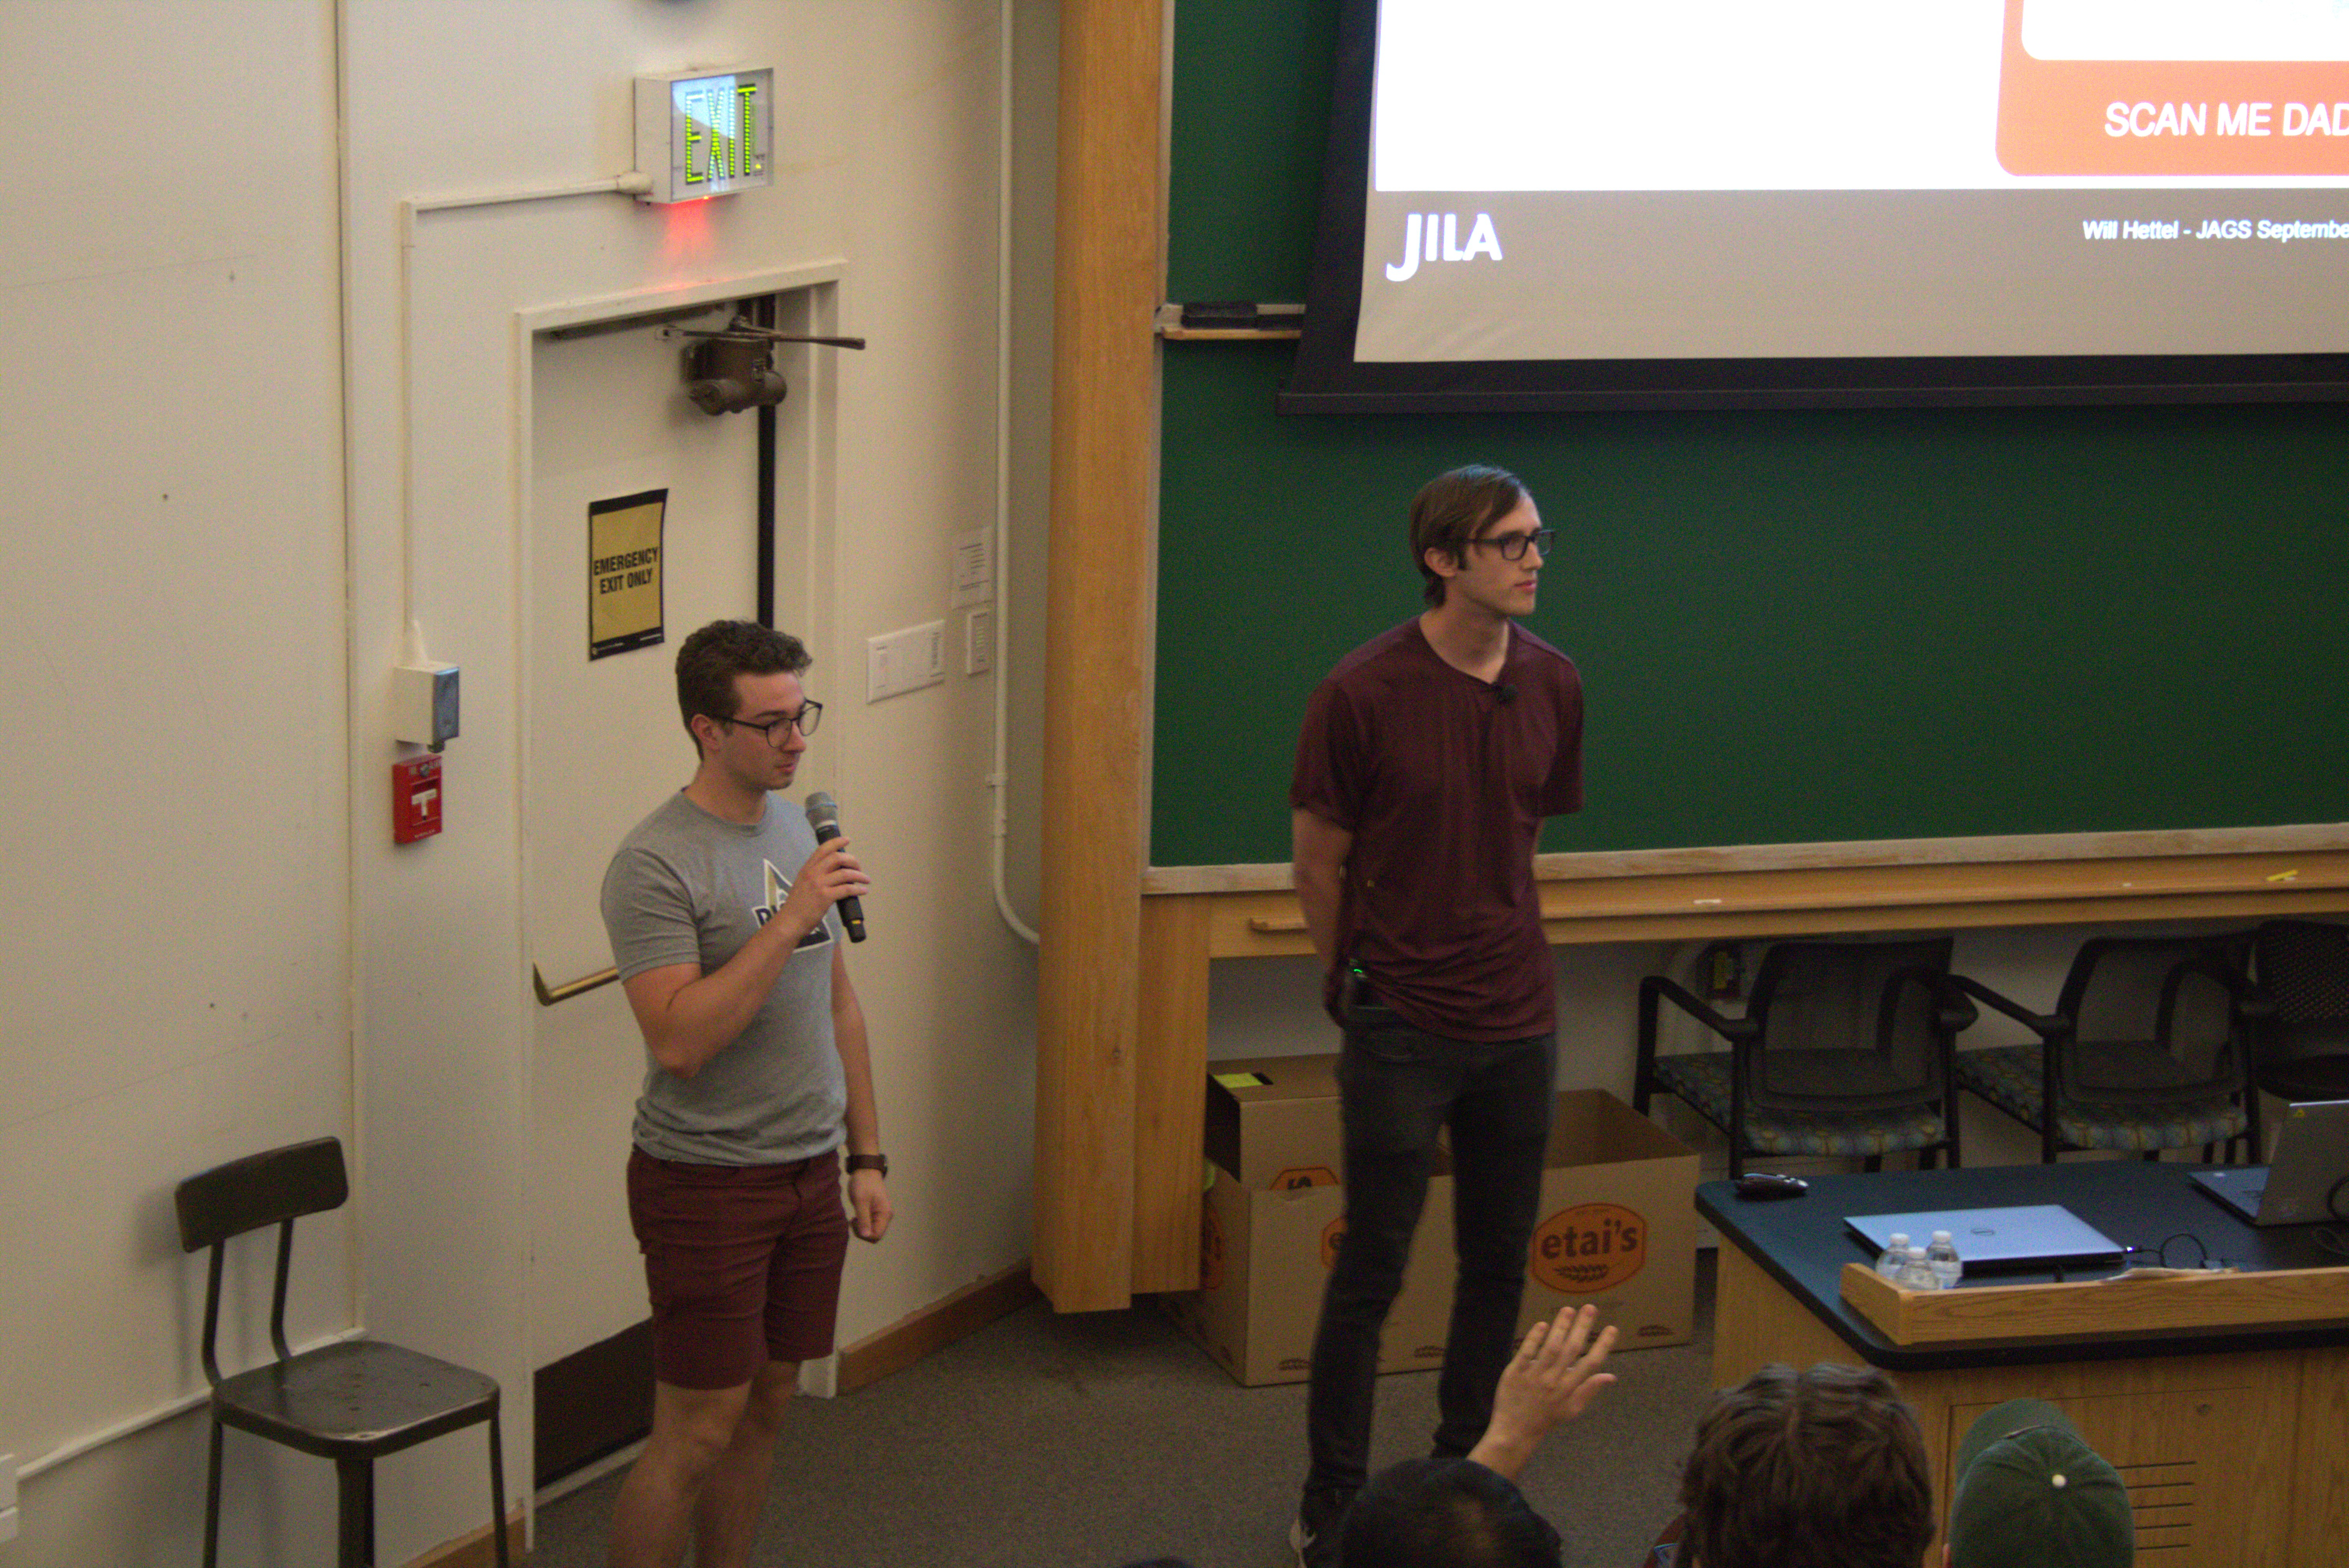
(221, 949)
(176, 958)
(949, 990)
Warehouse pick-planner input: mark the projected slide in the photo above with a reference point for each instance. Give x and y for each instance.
(1552, 180)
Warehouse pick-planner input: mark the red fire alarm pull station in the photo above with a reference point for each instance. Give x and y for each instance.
(415, 799)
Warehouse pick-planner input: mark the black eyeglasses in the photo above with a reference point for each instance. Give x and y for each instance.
(1512, 546)
(810, 715)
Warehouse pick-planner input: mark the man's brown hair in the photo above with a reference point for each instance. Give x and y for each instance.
(1823, 1469)
(1453, 508)
(709, 660)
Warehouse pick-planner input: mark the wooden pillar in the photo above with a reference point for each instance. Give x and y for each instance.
(1096, 671)
(1170, 1110)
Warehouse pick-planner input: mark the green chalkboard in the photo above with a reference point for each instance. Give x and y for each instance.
(1793, 627)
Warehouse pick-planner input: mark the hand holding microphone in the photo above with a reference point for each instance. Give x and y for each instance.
(824, 817)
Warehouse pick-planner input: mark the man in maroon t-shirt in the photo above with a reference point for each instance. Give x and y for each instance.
(1429, 758)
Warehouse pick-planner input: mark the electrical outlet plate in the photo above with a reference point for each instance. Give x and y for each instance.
(899, 662)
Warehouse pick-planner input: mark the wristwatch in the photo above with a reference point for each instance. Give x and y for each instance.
(869, 1162)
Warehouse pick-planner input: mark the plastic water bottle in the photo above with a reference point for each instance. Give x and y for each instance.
(1895, 1254)
(1942, 1255)
(1916, 1273)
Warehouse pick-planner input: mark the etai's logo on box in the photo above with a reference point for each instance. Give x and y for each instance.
(1333, 1236)
(1588, 1248)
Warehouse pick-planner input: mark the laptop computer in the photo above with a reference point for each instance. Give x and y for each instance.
(1995, 1238)
(2296, 1188)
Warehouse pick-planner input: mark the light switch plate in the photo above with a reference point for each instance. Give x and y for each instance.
(898, 662)
(974, 569)
(979, 642)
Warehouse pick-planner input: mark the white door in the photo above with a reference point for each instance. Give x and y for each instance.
(604, 745)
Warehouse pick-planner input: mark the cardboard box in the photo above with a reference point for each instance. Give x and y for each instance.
(1617, 1226)
(1264, 1259)
(1617, 1222)
(1272, 1122)
(1273, 1218)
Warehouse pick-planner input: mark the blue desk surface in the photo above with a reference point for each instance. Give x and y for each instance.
(1803, 1244)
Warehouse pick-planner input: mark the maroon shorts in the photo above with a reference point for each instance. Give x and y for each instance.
(742, 1262)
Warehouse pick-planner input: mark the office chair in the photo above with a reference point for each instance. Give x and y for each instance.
(349, 1402)
(2302, 1034)
(2146, 1050)
(1844, 1050)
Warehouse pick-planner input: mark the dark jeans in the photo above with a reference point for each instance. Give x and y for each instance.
(1398, 1085)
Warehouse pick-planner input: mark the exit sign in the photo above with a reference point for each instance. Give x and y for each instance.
(705, 133)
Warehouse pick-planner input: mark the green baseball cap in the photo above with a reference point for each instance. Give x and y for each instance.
(2031, 1493)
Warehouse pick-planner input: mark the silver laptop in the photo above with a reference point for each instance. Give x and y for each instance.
(1995, 1238)
(2311, 1158)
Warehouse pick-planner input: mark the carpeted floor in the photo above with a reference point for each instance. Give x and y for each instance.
(1097, 1439)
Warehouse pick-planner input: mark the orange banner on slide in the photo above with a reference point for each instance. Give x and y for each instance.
(2170, 117)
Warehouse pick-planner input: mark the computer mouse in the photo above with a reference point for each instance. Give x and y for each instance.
(1771, 1184)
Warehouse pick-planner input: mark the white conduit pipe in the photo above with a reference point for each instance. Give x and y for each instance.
(999, 780)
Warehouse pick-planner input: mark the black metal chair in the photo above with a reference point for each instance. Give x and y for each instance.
(2302, 1049)
(2146, 1050)
(1844, 1050)
(349, 1402)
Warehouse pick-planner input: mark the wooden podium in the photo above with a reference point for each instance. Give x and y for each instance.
(2223, 1400)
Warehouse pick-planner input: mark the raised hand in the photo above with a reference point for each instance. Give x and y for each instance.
(1551, 1379)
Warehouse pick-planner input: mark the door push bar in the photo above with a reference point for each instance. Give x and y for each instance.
(564, 993)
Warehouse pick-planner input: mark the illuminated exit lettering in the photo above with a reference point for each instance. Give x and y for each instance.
(705, 133)
(701, 130)
(722, 137)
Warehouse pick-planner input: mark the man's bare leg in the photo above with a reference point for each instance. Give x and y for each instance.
(691, 1430)
(726, 1519)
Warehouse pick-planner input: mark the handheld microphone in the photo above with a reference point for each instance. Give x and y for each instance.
(1505, 692)
(824, 816)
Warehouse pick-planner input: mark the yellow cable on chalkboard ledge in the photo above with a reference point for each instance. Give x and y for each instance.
(1229, 321)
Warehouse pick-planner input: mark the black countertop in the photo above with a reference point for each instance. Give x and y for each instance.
(1804, 1243)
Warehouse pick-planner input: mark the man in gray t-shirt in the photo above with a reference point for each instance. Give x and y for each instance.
(719, 906)
(688, 887)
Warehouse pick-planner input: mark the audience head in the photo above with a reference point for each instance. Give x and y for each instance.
(1445, 1513)
(1823, 1469)
(2032, 1494)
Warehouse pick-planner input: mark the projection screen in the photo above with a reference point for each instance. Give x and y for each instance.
(1565, 204)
